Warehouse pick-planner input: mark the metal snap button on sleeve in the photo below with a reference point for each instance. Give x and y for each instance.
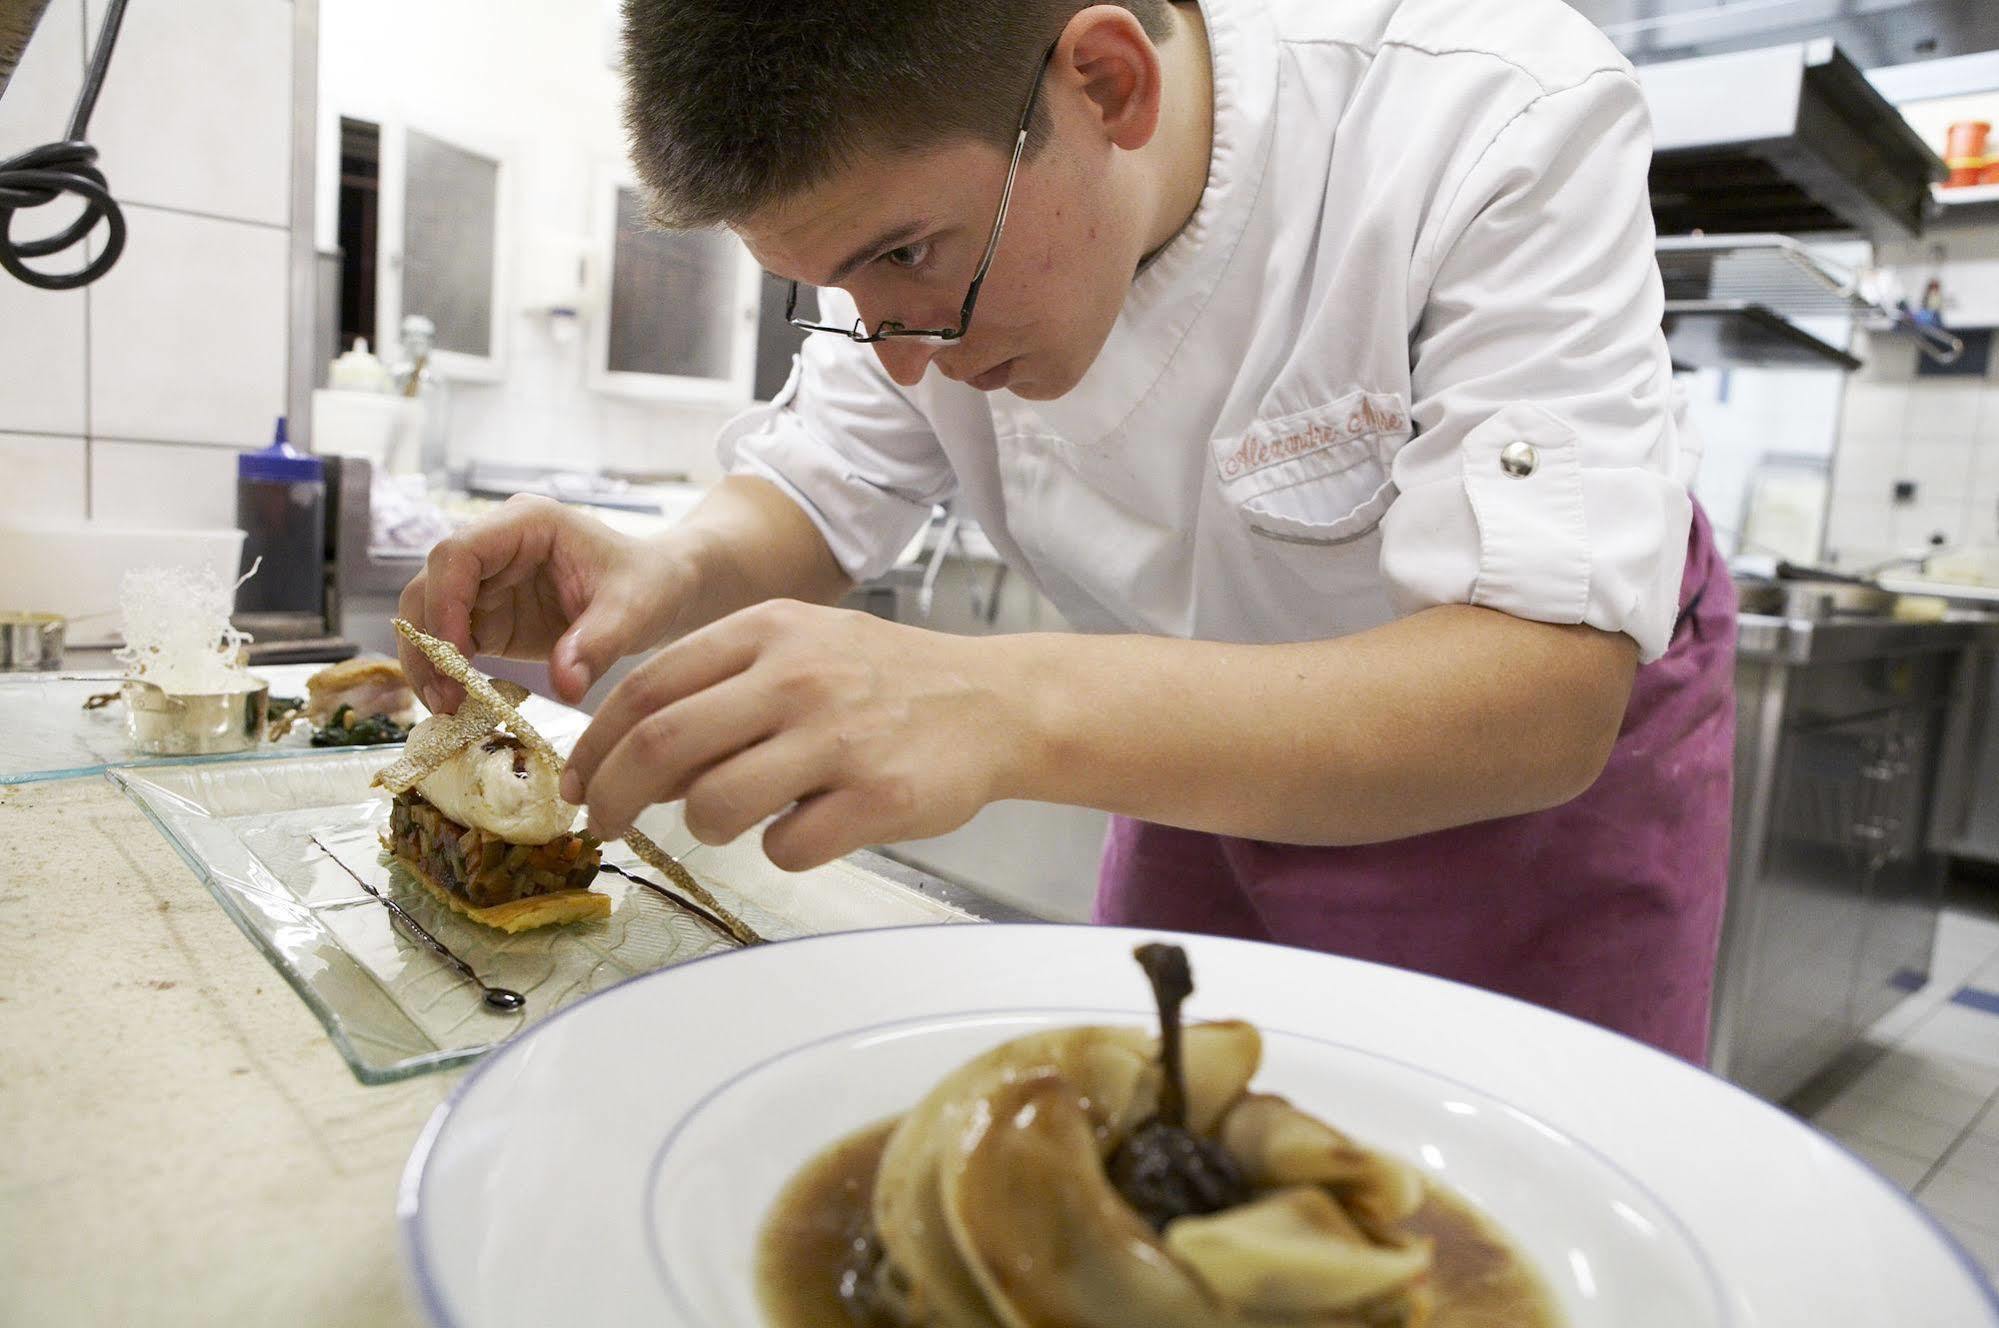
(1518, 459)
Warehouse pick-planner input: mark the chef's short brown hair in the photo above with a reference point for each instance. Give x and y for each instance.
(735, 104)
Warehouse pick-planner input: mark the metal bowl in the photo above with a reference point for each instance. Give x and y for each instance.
(31, 641)
(162, 723)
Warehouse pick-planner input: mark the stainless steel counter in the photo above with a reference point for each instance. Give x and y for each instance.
(1774, 639)
(1834, 883)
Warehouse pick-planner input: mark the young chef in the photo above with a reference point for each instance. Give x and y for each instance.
(1307, 357)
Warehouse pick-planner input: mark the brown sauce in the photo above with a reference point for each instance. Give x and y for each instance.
(817, 1235)
(1480, 1280)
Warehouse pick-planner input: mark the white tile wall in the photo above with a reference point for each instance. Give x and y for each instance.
(188, 332)
(125, 402)
(41, 332)
(1970, 259)
(1867, 467)
(39, 96)
(1983, 522)
(1864, 529)
(1940, 434)
(41, 359)
(34, 113)
(542, 413)
(1939, 523)
(1941, 465)
(45, 478)
(161, 486)
(1875, 409)
(196, 109)
(1947, 407)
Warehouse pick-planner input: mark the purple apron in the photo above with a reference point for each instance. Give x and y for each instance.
(1607, 908)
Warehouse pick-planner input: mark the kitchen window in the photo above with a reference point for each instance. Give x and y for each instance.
(678, 310)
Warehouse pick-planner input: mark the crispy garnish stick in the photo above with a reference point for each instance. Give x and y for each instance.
(668, 866)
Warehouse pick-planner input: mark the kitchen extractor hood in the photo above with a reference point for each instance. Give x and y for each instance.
(1873, 33)
(1788, 139)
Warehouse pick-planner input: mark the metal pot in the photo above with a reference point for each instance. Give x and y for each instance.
(162, 723)
(31, 641)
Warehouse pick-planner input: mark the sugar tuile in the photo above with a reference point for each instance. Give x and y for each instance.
(177, 631)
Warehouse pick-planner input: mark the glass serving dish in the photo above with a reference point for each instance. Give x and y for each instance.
(46, 733)
(274, 842)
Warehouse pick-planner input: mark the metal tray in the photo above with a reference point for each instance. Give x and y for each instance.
(45, 733)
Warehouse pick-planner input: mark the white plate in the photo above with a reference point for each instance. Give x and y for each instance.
(613, 1165)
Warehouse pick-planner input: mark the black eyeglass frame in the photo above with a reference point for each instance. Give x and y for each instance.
(888, 327)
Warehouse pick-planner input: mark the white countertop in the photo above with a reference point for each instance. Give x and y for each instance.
(184, 1144)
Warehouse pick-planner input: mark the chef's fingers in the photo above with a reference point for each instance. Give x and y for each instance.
(433, 688)
(757, 783)
(669, 749)
(825, 826)
(450, 591)
(720, 650)
(504, 547)
(493, 621)
(599, 638)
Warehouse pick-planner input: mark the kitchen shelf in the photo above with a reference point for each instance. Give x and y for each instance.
(1774, 278)
(1724, 334)
(1774, 272)
(1957, 592)
(1978, 202)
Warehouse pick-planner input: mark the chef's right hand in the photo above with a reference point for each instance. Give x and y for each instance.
(539, 581)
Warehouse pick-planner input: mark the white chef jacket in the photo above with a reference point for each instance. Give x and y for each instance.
(1407, 352)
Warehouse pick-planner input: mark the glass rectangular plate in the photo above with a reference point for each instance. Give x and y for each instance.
(45, 733)
(392, 1007)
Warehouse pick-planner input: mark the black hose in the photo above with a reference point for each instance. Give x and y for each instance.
(42, 175)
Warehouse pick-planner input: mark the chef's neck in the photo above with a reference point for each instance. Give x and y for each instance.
(1184, 146)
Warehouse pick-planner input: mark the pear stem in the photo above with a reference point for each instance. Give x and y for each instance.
(1172, 981)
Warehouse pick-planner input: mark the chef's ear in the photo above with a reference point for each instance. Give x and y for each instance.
(1105, 54)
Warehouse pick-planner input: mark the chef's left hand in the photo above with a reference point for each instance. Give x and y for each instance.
(877, 732)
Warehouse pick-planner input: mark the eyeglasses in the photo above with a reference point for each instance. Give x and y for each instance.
(888, 327)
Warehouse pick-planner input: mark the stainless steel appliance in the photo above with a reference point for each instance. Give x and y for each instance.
(1787, 139)
(1967, 822)
(1834, 886)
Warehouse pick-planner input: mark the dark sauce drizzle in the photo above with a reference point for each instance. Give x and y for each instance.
(498, 998)
(671, 897)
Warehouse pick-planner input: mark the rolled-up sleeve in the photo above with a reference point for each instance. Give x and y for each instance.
(1543, 477)
(844, 443)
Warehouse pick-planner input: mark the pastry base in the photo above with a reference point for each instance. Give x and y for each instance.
(522, 914)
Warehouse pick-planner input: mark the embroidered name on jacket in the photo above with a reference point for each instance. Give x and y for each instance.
(1273, 442)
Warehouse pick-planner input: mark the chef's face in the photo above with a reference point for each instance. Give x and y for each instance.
(903, 236)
